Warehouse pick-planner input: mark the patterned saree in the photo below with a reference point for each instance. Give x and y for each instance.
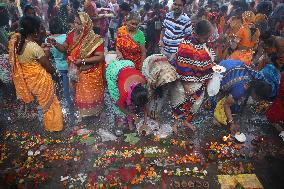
(89, 90)
(130, 46)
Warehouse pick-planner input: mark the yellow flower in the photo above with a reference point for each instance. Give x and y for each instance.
(138, 168)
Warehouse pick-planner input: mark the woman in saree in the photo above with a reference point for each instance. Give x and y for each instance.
(194, 62)
(31, 73)
(238, 83)
(247, 39)
(275, 112)
(130, 41)
(161, 77)
(126, 86)
(85, 50)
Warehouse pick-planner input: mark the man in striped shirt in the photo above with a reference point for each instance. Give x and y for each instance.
(175, 27)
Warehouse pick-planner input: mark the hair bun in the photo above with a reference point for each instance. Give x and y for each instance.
(22, 30)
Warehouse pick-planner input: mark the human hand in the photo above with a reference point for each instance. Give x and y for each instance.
(51, 41)
(77, 62)
(143, 129)
(234, 128)
(161, 43)
(119, 56)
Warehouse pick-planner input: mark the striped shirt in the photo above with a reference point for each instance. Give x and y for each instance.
(175, 31)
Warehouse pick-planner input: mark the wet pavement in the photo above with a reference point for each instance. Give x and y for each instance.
(79, 157)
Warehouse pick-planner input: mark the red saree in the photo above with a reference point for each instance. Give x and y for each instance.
(129, 49)
(275, 113)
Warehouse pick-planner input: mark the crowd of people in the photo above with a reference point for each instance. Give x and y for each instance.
(144, 54)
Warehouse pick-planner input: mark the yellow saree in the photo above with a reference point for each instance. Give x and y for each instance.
(32, 81)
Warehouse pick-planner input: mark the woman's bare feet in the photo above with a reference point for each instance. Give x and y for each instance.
(175, 127)
(131, 126)
(189, 125)
(145, 128)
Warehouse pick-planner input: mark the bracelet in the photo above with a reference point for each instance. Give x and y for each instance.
(231, 121)
(83, 62)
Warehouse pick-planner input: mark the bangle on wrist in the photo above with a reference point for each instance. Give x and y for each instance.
(83, 62)
(231, 121)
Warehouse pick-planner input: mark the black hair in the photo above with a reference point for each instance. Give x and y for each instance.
(139, 96)
(75, 4)
(28, 7)
(261, 88)
(55, 26)
(201, 12)
(224, 9)
(147, 6)
(252, 4)
(4, 15)
(203, 28)
(125, 7)
(262, 26)
(264, 8)
(71, 17)
(28, 25)
(51, 4)
(157, 6)
(266, 35)
(99, 5)
(159, 91)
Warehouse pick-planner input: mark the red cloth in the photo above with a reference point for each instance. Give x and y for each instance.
(122, 77)
(275, 113)
(69, 38)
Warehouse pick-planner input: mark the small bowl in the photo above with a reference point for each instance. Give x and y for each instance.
(241, 137)
(218, 69)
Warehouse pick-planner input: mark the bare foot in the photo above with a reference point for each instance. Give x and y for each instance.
(189, 125)
(143, 128)
(175, 127)
(131, 126)
(120, 124)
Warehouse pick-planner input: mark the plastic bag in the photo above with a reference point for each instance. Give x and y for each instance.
(73, 72)
(110, 57)
(214, 84)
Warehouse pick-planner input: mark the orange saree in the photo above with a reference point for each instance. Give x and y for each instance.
(130, 46)
(33, 82)
(247, 40)
(89, 90)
